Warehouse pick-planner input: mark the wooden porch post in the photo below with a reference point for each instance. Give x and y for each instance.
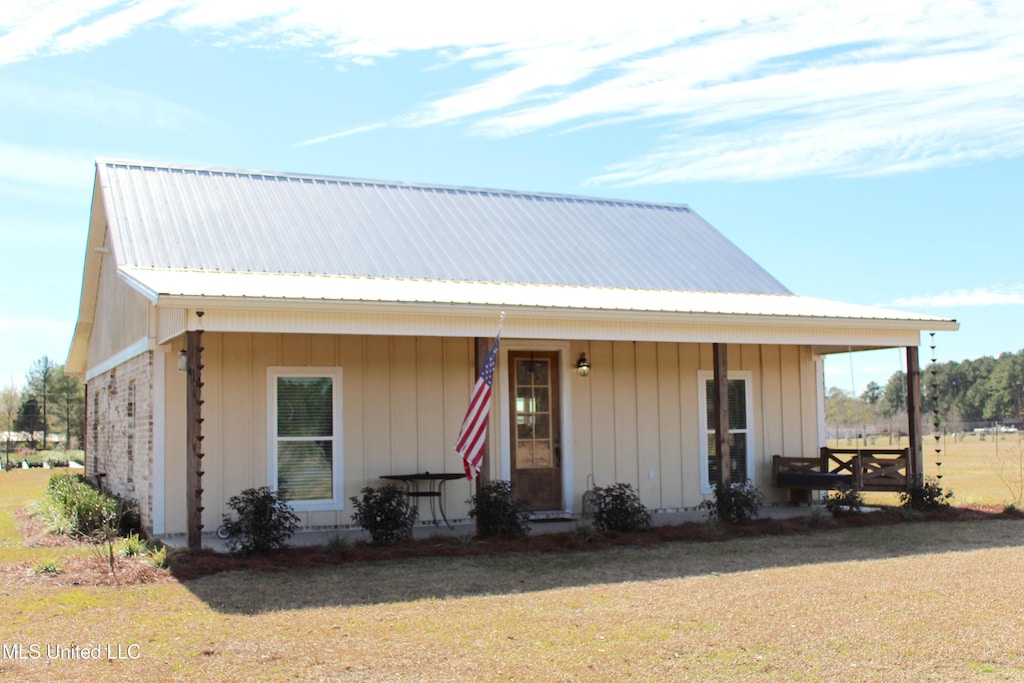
(721, 362)
(194, 437)
(915, 467)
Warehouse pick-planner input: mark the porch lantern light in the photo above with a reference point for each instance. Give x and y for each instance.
(182, 361)
(583, 366)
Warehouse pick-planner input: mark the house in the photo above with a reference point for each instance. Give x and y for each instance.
(239, 329)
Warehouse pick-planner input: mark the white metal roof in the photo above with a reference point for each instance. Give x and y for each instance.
(270, 244)
(198, 219)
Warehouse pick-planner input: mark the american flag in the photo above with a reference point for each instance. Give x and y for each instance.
(474, 427)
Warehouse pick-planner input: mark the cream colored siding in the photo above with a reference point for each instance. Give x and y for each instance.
(638, 412)
(122, 316)
(403, 400)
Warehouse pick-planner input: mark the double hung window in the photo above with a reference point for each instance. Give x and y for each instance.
(304, 437)
(741, 447)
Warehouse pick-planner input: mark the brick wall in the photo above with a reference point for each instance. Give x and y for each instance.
(120, 432)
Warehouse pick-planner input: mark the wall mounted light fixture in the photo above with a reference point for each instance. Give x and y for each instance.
(182, 361)
(583, 366)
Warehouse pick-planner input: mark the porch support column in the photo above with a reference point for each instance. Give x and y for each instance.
(194, 437)
(721, 380)
(915, 467)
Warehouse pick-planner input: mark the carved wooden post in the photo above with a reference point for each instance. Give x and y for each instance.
(194, 436)
(915, 466)
(721, 408)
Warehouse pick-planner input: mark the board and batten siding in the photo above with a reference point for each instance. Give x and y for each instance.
(403, 400)
(634, 419)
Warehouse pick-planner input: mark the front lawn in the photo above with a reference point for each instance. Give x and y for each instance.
(899, 602)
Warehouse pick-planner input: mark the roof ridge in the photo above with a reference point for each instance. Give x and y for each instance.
(345, 180)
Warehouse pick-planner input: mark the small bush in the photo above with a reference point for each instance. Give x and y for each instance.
(50, 566)
(735, 503)
(386, 514)
(928, 496)
(498, 512)
(264, 522)
(133, 546)
(618, 508)
(85, 508)
(159, 557)
(844, 501)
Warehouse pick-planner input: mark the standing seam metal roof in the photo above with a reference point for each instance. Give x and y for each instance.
(198, 219)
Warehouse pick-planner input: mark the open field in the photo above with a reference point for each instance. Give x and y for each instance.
(910, 602)
(987, 471)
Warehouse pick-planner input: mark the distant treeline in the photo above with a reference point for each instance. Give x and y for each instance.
(983, 390)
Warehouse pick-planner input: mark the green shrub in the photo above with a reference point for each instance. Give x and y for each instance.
(264, 522)
(928, 496)
(158, 556)
(85, 508)
(386, 514)
(132, 546)
(844, 500)
(735, 502)
(618, 508)
(49, 566)
(498, 512)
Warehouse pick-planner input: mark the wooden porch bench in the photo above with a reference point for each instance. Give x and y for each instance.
(803, 475)
(880, 469)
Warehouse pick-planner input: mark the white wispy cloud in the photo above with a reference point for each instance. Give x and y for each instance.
(998, 296)
(740, 91)
(341, 134)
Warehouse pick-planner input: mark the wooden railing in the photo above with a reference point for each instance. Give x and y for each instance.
(881, 469)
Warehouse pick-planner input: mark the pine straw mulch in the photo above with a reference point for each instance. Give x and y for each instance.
(94, 569)
(189, 565)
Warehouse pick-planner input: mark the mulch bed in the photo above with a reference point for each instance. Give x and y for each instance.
(187, 565)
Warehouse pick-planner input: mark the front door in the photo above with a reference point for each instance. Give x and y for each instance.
(536, 428)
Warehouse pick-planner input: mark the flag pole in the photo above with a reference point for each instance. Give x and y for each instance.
(473, 440)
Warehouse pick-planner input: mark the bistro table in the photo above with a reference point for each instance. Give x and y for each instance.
(433, 488)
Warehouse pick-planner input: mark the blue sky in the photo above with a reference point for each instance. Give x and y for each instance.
(869, 152)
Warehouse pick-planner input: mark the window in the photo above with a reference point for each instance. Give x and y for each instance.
(741, 441)
(304, 460)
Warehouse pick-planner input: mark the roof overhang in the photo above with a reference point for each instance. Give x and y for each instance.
(95, 250)
(260, 302)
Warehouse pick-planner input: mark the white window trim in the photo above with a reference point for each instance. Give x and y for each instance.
(703, 377)
(338, 465)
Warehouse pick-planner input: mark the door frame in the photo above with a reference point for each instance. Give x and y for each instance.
(565, 377)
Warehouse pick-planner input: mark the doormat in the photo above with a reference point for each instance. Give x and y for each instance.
(546, 520)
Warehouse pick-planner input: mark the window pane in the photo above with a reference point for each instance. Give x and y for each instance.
(737, 458)
(305, 470)
(712, 415)
(737, 404)
(304, 406)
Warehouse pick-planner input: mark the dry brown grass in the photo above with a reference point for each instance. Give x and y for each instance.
(908, 602)
(900, 602)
